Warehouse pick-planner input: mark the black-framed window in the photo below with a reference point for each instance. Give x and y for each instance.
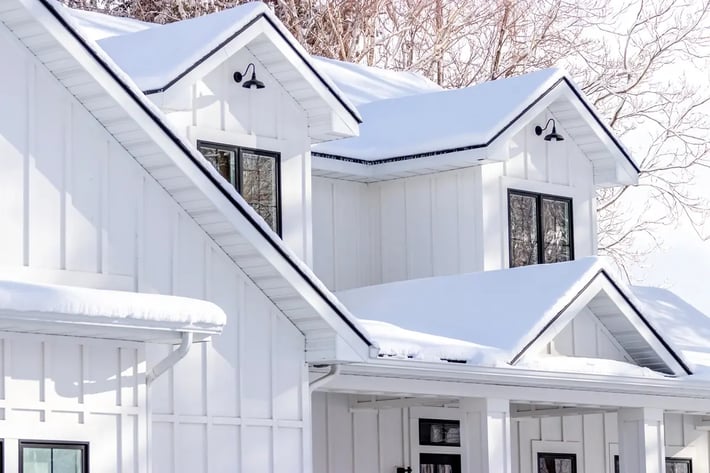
(673, 465)
(556, 462)
(54, 457)
(254, 173)
(539, 228)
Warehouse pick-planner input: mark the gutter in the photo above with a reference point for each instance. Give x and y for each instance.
(171, 360)
(682, 387)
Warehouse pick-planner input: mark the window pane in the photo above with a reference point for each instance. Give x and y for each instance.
(259, 186)
(523, 230)
(66, 460)
(36, 460)
(223, 159)
(556, 230)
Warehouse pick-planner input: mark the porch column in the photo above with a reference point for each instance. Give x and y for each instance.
(641, 442)
(485, 435)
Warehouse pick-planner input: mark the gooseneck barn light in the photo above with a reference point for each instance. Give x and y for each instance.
(252, 83)
(553, 136)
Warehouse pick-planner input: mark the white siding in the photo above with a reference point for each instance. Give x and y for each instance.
(378, 440)
(74, 390)
(585, 336)
(443, 223)
(74, 206)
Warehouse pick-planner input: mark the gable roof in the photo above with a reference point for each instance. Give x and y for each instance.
(437, 127)
(518, 310)
(158, 58)
(43, 26)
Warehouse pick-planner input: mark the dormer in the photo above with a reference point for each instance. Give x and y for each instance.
(258, 138)
(453, 181)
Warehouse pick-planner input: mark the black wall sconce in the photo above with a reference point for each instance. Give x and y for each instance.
(553, 136)
(252, 83)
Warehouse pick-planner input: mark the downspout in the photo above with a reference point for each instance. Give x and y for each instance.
(169, 361)
(332, 373)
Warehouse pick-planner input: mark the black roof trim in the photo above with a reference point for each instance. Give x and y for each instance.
(602, 272)
(51, 8)
(406, 157)
(234, 35)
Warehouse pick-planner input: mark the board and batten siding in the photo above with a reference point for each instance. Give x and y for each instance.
(379, 440)
(443, 223)
(76, 209)
(68, 389)
(217, 109)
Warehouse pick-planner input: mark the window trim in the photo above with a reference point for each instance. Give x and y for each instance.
(539, 197)
(572, 456)
(52, 444)
(238, 150)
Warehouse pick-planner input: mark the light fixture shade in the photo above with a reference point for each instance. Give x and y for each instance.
(252, 83)
(553, 135)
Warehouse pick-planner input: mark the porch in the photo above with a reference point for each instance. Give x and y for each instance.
(399, 416)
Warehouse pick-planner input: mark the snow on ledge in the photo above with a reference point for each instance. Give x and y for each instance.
(42, 308)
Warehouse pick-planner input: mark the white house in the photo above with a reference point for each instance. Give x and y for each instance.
(381, 275)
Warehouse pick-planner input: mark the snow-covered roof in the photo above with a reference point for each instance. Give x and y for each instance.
(98, 313)
(445, 129)
(98, 26)
(506, 310)
(365, 84)
(159, 57)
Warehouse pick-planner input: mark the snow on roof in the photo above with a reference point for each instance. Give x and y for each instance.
(155, 56)
(24, 302)
(443, 120)
(99, 26)
(578, 364)
(365, 84)
(396, 342)
(500, 309)
(679, 322)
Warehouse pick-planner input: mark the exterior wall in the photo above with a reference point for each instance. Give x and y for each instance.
(585, 336)
(75, 390)
(218, 109)
(441, 223)
(378, 440)
(75, 208)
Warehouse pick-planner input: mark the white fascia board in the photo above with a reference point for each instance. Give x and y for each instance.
(146, 114)
(416, 378)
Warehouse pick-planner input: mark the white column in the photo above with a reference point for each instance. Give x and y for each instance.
(641, 442)
(485, 435)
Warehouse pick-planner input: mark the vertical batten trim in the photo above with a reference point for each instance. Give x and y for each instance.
(273, 340)
(64, 182)
(104, 192)
(241, 307)
(28, 156)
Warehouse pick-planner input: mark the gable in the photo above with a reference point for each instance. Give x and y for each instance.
(600, 321)
(469, 127)
(170, 64)
(585, 336)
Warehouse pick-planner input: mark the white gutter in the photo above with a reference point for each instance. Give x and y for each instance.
(169, 361)
(682, 387)
(332, 373)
